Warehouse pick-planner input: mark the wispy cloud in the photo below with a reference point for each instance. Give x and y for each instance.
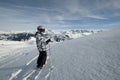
(58, 12)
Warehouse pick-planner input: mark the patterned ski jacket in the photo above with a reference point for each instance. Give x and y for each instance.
(41, 41)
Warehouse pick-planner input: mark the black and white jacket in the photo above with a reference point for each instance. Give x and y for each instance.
(41, 41)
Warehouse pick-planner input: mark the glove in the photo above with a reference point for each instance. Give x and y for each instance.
(49, 40)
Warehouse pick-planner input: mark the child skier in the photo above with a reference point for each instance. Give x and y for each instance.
(41, 42)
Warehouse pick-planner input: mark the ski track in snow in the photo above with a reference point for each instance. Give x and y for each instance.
(27, 77)
(32, 60)
(15, 74)
(9, 60)
(36, 76)
(20, 70)
(29, 72)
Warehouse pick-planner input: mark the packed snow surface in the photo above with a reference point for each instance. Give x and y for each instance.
(94, 57)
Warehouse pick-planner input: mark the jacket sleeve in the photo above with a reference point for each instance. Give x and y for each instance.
(38, 41)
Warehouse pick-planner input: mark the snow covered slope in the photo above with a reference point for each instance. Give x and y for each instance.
(94, 57)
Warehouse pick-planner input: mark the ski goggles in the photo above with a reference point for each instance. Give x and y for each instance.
(42, 30)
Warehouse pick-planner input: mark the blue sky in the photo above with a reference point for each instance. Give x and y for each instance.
(59, 14)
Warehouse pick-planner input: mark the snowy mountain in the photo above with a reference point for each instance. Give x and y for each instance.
(57, 36)
(95, 57)
(16, 36)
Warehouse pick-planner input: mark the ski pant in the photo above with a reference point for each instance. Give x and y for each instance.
(42, 58)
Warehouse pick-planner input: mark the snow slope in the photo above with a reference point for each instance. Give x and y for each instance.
(95, 57)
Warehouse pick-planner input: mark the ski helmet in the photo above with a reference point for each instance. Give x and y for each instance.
(40, 28)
